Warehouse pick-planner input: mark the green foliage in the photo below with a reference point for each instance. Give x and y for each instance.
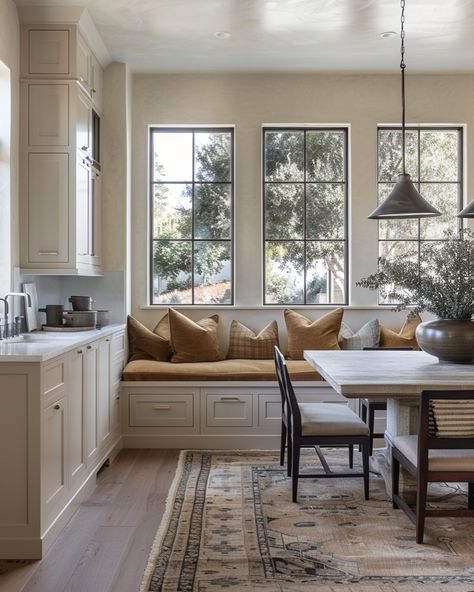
(441, 284)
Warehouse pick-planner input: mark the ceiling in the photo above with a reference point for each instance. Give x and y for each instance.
(282, 35)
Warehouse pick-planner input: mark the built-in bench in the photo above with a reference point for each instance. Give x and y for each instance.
(225, 404)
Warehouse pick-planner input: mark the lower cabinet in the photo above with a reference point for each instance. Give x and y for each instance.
(58, 424)
(221, 415)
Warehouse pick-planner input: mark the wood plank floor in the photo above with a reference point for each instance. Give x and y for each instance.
(105, 545)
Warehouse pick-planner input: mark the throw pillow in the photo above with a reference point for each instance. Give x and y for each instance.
(306, 334)
(193, 342)
(163, 328)
(245, 344)
(404, 338)
(367, 336)
(145, 344)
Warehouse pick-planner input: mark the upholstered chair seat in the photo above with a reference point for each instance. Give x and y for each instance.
(438, 460)
(323, 419)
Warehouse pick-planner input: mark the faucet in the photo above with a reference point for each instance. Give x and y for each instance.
(24, 295)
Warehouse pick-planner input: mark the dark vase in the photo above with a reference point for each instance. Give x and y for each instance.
(450, 340)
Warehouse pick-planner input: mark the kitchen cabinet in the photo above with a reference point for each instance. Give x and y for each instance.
(60, 184)
(58, 425)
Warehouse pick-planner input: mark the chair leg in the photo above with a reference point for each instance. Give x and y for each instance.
(295, 470)
(289, 454)
(395, 480)
(282, 444)
(351, 456)
(421, 495)
(362, 415)
(470, 496)
(371, 428)
(365, 465)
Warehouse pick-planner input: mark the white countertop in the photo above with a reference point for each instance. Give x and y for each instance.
(41, 346)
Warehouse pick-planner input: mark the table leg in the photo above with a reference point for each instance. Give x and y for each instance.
(402, 419)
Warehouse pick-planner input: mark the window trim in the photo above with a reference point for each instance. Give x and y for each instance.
(150, 235)
(305, 128)
(460, 129)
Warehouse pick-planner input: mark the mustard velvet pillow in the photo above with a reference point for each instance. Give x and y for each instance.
(193, 342)
(306, 334)
(145, 344)
(406, 337)
(247, 345)
(163, 328)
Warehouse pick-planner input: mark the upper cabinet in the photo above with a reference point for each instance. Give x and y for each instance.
(60, 181)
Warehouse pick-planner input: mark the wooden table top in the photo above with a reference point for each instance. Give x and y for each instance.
(388, 374)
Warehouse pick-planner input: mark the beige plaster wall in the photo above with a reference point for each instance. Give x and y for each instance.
(248, 101)
(10, 56)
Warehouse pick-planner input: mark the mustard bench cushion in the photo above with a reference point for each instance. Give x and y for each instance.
(253, 370)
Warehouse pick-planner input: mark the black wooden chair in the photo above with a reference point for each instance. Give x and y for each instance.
(368, 407)
(443, 451)
(316, 425)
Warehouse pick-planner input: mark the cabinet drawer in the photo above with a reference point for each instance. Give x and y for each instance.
(269, 410)
(161, 410)
(53, 379)
(228, 409)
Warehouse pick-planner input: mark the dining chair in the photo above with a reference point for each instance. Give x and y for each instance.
(368, 407)
(443, 451)
(316, 425)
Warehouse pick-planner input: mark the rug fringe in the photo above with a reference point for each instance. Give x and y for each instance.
(160, 533)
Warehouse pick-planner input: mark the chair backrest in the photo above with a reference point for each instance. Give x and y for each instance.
(286, 390)
(446, 420)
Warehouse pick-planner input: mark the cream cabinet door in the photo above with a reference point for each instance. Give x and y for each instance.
(90, 377)
(95, 218)
(83, 63)
(83, 214)
(97, 81)
(83, 125)
(76, 462)
(48, 207)
(48, 52)
(48, 115)
(53, 458)
(103, 391)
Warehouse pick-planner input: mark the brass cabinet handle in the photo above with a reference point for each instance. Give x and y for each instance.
(57, 407)
(48, 252)
(89, 347)
(162, 407)
(229, 399)
(79, 351)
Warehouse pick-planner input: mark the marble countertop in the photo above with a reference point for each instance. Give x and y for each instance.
(41, 346)
(388, 374)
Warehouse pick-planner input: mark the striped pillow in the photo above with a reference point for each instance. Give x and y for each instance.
(450, 418)
(245, 344)
(367, 336)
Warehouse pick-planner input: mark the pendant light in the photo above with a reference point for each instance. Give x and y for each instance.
(404, 201)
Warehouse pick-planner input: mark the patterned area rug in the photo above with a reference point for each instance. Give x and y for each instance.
(230, 526)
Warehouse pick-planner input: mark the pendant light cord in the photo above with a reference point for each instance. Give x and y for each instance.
(402, 68)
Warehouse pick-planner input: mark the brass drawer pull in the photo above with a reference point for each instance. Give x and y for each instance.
(57, 407)
(48, 252)
(230, 399)
(162, 407)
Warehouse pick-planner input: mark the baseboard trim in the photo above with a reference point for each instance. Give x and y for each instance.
(203, 441)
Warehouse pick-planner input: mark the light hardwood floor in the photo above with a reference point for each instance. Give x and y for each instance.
(105, 546)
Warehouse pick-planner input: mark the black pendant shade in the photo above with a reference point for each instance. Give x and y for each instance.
(468, 211)
(404, 202)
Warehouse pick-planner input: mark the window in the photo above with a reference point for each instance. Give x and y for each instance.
(305, 225)
(434, 161)
(191, 200)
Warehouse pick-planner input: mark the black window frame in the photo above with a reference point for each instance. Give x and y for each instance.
(460, 182)
(193, 130)
(345, 240)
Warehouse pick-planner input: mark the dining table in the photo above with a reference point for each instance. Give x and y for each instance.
(395, 376)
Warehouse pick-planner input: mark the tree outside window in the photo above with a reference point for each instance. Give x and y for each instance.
(434, 161)
(305, 204)
(191, 216)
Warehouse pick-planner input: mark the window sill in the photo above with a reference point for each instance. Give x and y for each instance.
(268, 307)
